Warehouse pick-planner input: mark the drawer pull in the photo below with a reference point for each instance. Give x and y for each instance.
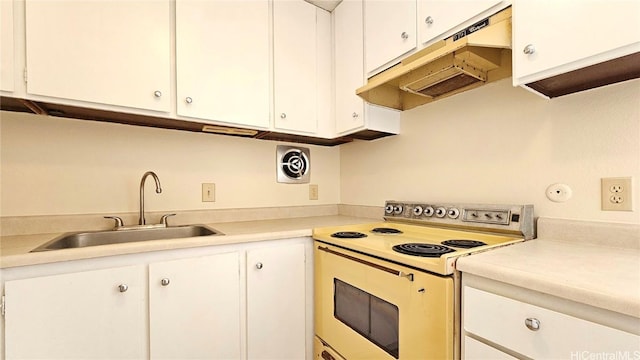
(533, 324)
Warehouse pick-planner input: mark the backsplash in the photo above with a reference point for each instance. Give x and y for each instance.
(500, 144)
(55, 166)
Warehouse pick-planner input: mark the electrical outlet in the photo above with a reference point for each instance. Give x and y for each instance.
(617, 194)
(313, 192)
(208, 192)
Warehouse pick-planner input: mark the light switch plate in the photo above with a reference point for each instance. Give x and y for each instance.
(208, 192)
(617, 194)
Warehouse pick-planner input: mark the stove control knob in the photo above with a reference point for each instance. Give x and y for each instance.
(397, 209)
(428, 211)
(453, 213)
(388, 209)
(441, 212)
(417, 211)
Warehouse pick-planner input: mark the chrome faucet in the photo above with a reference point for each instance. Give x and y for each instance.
(141, 220)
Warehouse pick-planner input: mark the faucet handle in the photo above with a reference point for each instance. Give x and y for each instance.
(117, 219)
(164, 218)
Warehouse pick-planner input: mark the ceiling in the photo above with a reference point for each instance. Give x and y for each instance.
(328, 5)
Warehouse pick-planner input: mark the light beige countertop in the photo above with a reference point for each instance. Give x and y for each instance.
(597, 264)
(14, 250)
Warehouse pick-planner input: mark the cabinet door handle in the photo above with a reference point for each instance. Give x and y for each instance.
(188, 100)
(404, 35)
(354, 115)
(532, 324)
(283, 116)
(157, 93)
(259, 266)
(123, 288)
(165, 282)
(428, 20)
(529, 49)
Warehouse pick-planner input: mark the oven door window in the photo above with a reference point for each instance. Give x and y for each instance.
(368, 315)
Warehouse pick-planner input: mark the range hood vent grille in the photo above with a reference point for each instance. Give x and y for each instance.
(446, 68)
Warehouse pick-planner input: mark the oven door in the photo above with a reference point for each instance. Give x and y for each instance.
(367, 308)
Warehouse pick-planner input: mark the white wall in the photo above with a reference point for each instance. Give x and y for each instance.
(499, 144)
(53, 166)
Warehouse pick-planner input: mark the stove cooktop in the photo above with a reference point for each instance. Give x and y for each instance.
(448, 243)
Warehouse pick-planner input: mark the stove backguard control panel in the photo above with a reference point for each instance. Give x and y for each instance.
(511, 219)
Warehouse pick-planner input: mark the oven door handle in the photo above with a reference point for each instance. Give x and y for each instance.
(408, 276)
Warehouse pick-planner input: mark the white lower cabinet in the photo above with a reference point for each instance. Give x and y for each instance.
(276, 302)
(497, 326)
(194, 308)
(236, 301)
(97, 314)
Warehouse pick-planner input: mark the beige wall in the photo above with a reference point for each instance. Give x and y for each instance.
(53, 166)
(499, 144)
(496, 144)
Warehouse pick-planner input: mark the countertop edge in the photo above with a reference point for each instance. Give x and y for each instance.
(510, 270)
(235, 233)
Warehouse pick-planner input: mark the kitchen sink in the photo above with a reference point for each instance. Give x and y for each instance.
(95, 238)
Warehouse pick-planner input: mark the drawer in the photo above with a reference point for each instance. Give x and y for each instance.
(476, 350)
(538, 332)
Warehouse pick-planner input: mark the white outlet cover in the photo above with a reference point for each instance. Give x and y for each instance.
(559, 192)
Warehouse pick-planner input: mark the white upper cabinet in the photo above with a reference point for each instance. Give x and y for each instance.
(295, 61)
(223, 61)
(7, 69)
(436, 17)
(389, 31)
(553, 37)
(108, 52)
(352, 114)
(349, 64)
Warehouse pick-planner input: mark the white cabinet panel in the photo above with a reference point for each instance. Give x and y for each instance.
(276, 302)
(351, 112)
(194, 308)
(476, 350)
(389, 31)
(79, 315)
(295, 83)
(349, 64)
(439, 16)
(223, 60)
(569, 35)
(107, 52)
(7, 69)
(538, 332)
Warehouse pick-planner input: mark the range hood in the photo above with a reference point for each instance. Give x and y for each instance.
(474, 56)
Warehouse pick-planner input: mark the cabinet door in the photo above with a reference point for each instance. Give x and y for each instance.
(439, 16)
(575, 34)
(389, 31)
(89, 315)
(276, 302)
(194, 308)
(537, 332)
(349, 64)
(222, 59)
(295, 85)
(108, 52)
(6, 46)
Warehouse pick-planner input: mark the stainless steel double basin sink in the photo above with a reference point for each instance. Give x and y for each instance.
(109, 237)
